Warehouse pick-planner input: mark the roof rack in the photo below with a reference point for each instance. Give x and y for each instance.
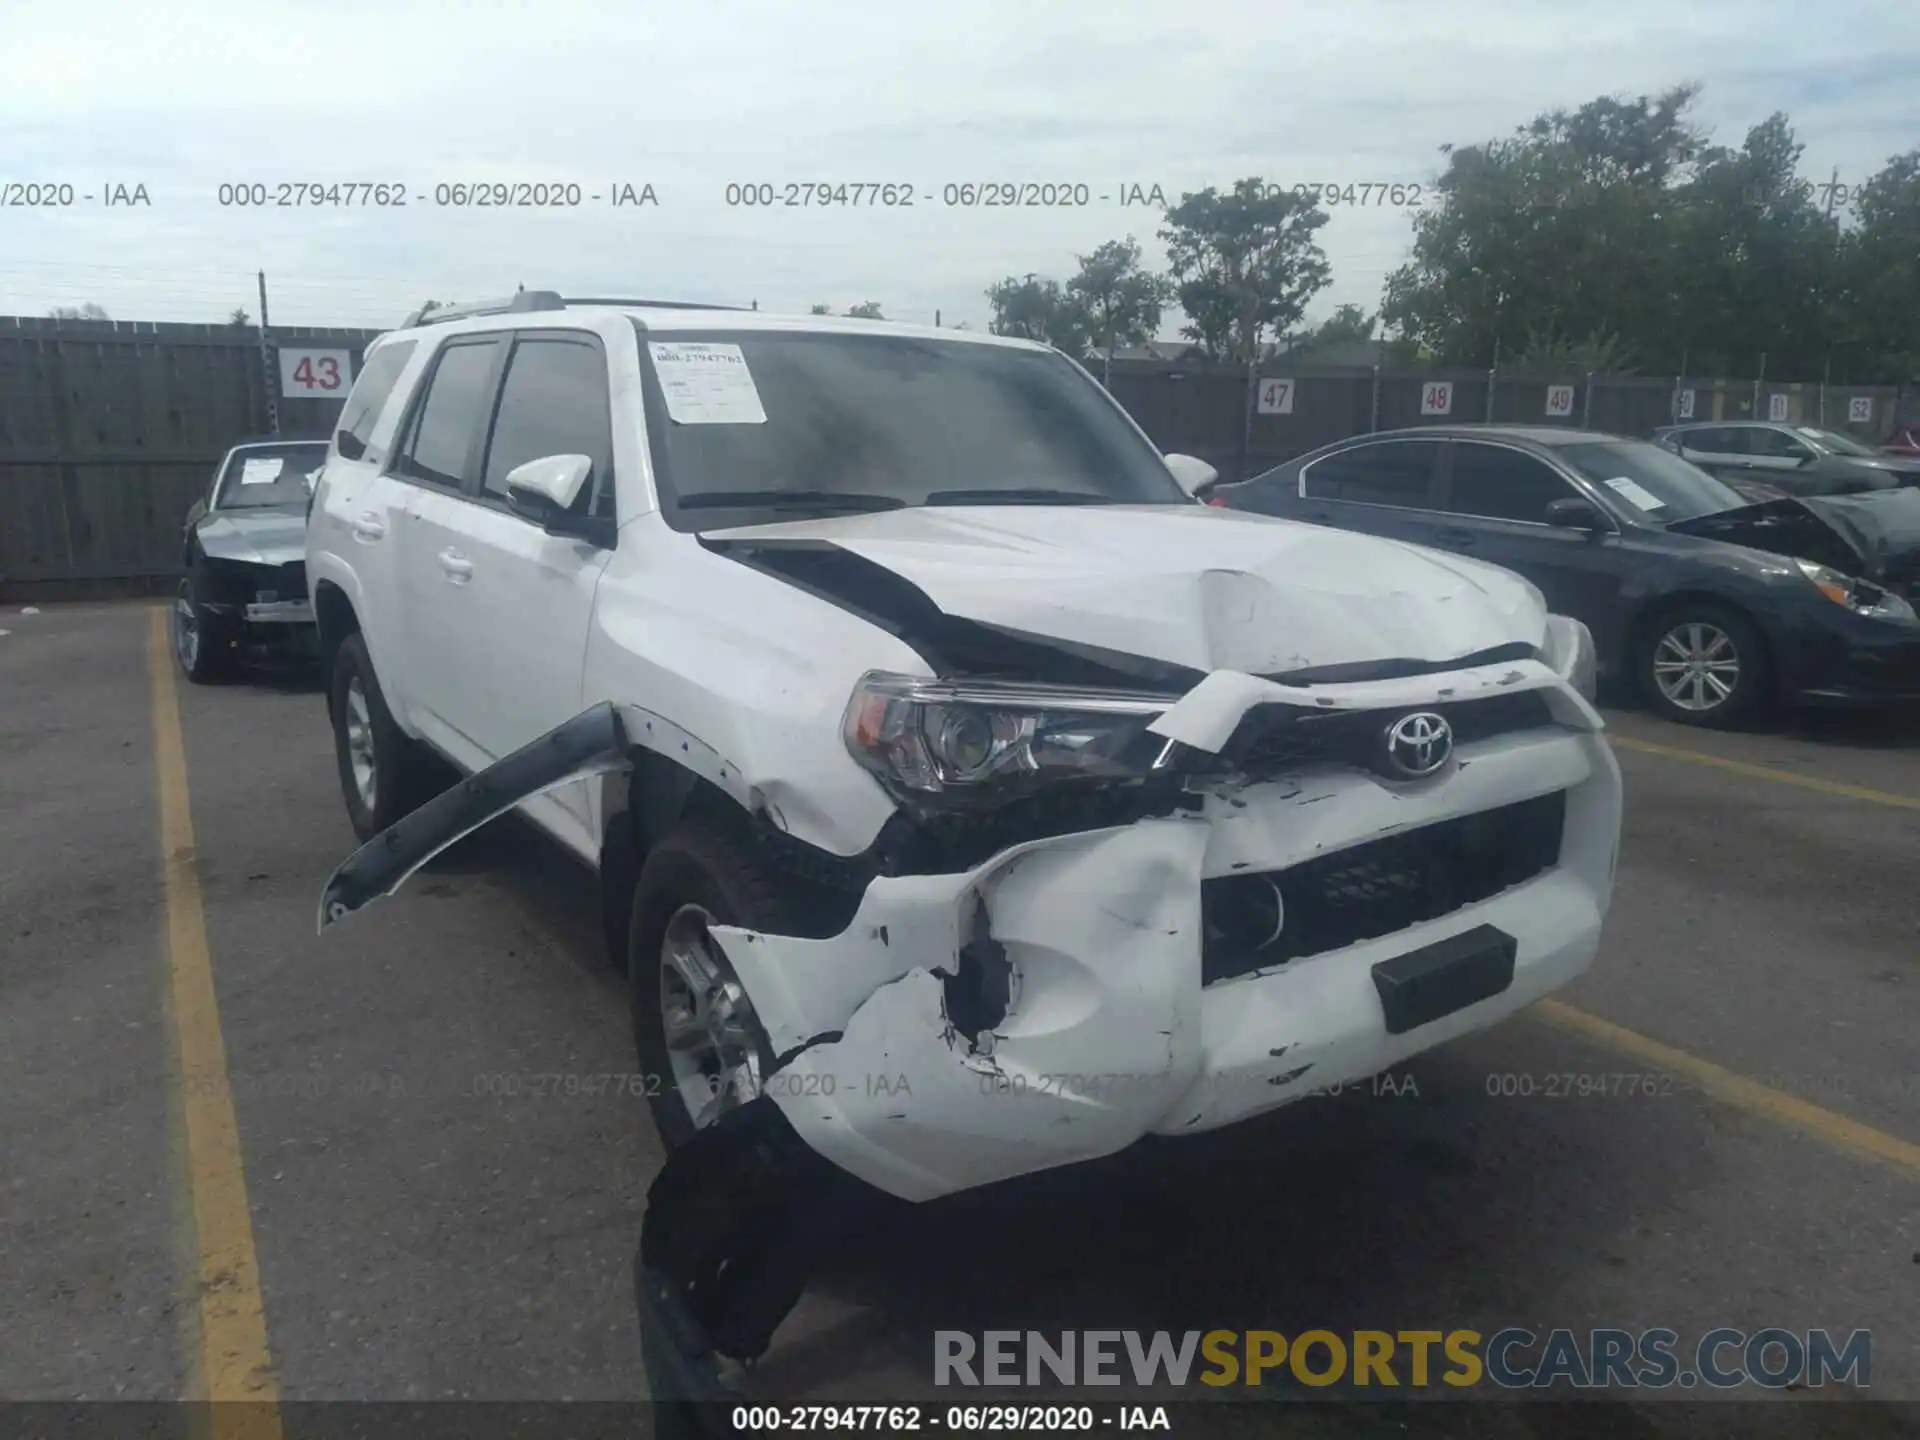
(652, 304)
(528, 300)
(525, 300)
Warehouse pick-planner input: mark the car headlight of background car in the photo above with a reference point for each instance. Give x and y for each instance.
(968, 743)
(1860, 596)
(1568, 652)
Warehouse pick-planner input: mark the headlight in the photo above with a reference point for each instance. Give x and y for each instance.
(1860, 596)
(982, 743)
(1569, 653)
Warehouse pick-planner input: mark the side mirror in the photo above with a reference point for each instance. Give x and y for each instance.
(196, 514)
(545, 490)
(1573, 513)
(1190, 472)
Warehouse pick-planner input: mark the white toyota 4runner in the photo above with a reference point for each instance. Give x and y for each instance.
(964, 793)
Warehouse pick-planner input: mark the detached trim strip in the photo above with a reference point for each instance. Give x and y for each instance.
(592, 743)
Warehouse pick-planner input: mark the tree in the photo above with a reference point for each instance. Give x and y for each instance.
(1880, 272)
(239, 316)
(1347, 323)
(1118, 302)
(1032, 308)
(1600, 353)
(865, 310)
(1556, 229)
(88, 311)
(822, 310)
(1243, 262)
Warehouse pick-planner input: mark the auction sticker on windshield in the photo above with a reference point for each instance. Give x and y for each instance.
(1635, 495)
(260, 471)
(707, 384)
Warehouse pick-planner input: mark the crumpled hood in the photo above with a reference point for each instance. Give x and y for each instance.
(259, 537)
(1205, 588)
(1875, 535)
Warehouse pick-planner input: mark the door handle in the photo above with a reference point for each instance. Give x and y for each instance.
(368, 527)
(456, 567)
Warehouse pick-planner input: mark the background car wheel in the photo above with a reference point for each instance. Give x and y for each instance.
(701, 1048)
(382, 772)
(202, 642)
(1703, 665)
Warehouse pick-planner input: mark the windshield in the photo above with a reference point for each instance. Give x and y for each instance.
(804, 420)
(263, 477)
(1652, 483)
(1834, 443)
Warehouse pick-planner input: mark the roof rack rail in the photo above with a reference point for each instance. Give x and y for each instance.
(652, 304)
(525, 300)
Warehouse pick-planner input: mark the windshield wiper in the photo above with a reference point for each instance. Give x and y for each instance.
(1018, 495)
(789, 500)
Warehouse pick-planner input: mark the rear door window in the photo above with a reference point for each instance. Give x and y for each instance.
(369, 396)
(1399, 473)
(1713, 440)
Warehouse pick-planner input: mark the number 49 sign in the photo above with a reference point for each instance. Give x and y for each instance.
(320, 373)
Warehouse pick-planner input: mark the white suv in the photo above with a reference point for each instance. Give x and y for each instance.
(962, 790)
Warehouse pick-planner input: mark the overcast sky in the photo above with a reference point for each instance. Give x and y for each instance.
(186, 96)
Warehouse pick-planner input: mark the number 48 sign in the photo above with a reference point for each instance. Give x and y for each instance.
(1436, 398)
(316, 372)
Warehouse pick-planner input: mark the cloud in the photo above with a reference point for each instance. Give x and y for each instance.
(695, 98)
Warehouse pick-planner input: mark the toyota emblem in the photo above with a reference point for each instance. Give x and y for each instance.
(1418, 745)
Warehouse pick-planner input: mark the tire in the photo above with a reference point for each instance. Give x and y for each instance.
(395, 780)
(1728, 647)
(202, 642)
(705, 873)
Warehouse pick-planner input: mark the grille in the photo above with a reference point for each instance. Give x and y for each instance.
(1366, 891)
(1273, 738)
(284, 582)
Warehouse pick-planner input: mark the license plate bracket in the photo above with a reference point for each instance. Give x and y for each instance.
(1432, 982)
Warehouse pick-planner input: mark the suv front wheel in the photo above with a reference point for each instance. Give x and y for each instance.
(701, 1048)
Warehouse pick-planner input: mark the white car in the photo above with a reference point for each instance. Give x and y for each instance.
(967, 798)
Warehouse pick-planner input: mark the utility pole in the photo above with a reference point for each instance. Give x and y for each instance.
(1757, 379)
(268, 378)
(1492, 371)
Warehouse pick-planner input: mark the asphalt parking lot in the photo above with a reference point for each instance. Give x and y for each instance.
(391, 1208)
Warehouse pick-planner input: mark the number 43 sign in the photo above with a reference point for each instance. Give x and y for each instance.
(316, 372)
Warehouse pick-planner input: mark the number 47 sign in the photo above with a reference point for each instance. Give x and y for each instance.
(316, 372)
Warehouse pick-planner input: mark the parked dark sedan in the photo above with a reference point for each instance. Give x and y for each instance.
(1711, 604)
(1761, 456)
(245, 554)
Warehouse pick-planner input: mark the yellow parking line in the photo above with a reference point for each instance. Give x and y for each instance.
(1734, 1089)
(233, 1363)
(1767, 772)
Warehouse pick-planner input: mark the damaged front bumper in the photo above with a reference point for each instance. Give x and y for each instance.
(1074, 994)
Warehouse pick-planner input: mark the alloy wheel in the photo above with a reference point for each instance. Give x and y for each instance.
(714, 1039)
(1696, 666)
(186, 631)
(359, 720)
